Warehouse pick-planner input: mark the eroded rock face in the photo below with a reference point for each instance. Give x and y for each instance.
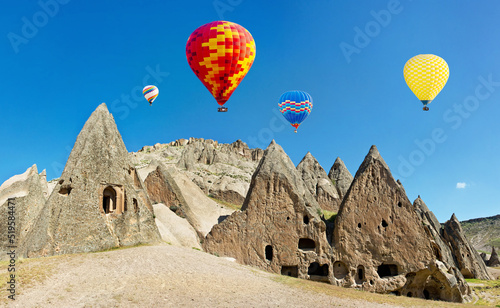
(318, 183)
(467, 259)
(99, 201)
(341, 177)
(222, 171)
(380, 239)
(433, 228)
(494, 260)
(22, 197)
(179, 193)
(279, 228)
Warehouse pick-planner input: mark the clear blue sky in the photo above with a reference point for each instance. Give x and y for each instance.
(59, 62)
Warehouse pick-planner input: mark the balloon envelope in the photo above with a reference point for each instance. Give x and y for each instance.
(150, 93)
(426, 76)
(220, 53)
(295, 107)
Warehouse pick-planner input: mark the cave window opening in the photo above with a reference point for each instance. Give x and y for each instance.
(426, 294)
(291, 271)
(306, 219)
(387, 270)
(109, 200)
(384, 223)
(136, 206)
(269, 252)
(306, 244)
(318, 270)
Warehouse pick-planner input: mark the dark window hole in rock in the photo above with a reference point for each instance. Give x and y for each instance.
(409, 294)
(65, 190)
(317, 270)
(400, 205)
(426, 294)
(306, 219)
(384, 223)
(269, 252)
(307, 244)
(387, 270)
(359, 225)
(136, 205)
(360, 273)
(291, 271)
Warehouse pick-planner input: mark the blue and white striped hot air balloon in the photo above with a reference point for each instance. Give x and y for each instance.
(295, 107)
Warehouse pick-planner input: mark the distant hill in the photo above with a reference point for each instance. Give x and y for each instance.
(483, 232)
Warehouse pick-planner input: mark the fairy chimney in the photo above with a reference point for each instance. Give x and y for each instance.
(99, 202)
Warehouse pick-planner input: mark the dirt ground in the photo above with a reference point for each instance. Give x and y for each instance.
(167, 276)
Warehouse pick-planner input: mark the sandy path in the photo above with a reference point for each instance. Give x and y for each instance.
(169, 277)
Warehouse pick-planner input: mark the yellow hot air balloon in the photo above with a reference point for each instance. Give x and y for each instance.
(426, 76)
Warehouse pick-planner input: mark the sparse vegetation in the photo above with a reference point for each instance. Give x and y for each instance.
(357, 295)
(329, 216)
(29, 272)
(488, 291)
(225, 203)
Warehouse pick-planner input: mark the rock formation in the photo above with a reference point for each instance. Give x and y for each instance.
(434, 229)
(341, 177)
(278, 228)
(177, 192)
(221, 170)
(21, 197)
(493, 261)
(174, 229)
(99, 201)
(318, 183)
(381, 244)
(466, 257)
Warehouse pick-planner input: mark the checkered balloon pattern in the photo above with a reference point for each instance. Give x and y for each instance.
(220, 53)
(426, 75)
(295, 107)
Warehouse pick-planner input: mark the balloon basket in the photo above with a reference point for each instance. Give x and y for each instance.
(426, 108)
(222, 109)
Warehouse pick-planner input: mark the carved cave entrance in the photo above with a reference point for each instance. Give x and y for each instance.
(387, 270)
(112, 199)
(291, 271)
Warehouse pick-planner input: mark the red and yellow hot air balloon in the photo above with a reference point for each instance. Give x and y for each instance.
(220, 53)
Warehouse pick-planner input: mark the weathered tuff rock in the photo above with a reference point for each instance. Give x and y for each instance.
(21, 197)
(466, 257)
(221, 170)
(174, 229)
(341, 176)
(99, 201)
(381, 244)
(278, 228)
(493, 261)
(318, 183)
(433, 228)
(179, 193)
